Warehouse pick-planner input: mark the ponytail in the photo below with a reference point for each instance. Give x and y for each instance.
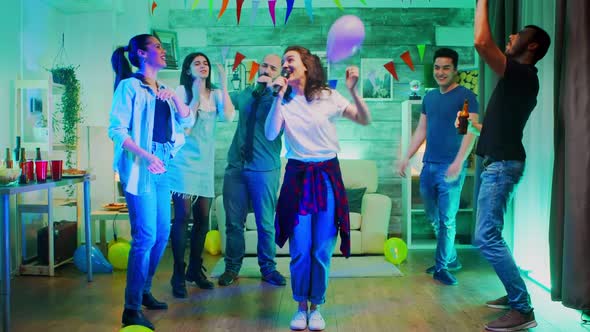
(120, 65)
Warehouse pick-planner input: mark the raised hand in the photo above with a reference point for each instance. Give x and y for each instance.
(352, 77)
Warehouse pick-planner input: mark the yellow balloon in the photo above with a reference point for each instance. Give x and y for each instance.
(395, 250)
(213, 242)
(135, 328)
(118, 254)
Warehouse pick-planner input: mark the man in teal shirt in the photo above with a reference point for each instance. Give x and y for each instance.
(252, 177)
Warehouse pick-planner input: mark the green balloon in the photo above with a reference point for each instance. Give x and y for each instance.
(395, 250)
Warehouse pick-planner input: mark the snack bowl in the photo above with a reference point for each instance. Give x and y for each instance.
(9, 176)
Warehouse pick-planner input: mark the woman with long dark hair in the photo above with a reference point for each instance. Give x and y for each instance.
(146, 126)
(192, 173)
(312, 206)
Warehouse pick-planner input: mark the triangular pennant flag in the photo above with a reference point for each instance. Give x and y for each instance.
(332, 84)
(255, 4)
(239, 4)
(289, 9)
(237, 60)
(195, 3)
(210, 7)
(338, 4)
(253, 71)
(223, 8)
(391, 69)
(224, 51)
(309, 9)
(364, 2)
(154, 5)
(421, 49)
(271, 10)
(407, 59)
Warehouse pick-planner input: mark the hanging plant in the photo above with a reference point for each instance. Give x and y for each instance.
(69, 111)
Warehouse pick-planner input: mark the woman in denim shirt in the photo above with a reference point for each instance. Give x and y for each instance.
(146, 126)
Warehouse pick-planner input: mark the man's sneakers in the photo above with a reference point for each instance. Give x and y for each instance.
(315, 321)
(513, 320)
(299, 321)
(499, 303)
(227, 278)
(445, 277)
(452, 267)
(275, 278)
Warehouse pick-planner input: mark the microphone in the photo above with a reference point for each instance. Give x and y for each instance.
(260, 87)
(285, 72)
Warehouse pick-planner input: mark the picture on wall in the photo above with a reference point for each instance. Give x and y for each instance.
(376, 82)
(169, 40)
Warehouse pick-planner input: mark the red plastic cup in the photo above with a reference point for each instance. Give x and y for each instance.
(41, 170)
(29, 170)
(56, 169)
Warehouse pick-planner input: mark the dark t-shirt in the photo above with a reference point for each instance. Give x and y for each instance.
(162, 124)
(509, 108)
(266, 154)
(442, 140)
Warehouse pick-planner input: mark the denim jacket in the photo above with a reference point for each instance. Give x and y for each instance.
(132, 116)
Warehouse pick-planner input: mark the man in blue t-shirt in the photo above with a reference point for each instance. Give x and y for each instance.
(443, 170)
(500, 146)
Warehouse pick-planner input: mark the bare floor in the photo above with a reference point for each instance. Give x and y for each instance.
(414, 302)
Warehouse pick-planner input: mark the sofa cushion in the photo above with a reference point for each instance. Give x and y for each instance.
(355, 221)
(355, 199)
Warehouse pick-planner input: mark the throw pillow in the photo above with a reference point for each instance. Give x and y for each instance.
(355, 198)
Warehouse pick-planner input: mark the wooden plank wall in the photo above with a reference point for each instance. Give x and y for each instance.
(389, 32)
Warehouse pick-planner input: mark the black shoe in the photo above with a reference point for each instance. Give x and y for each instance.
(275, 278)
(150, 302)
(199, 278)
(452, 267)
(177, 281)
(445, 277)
(227, 278)
(135, 317)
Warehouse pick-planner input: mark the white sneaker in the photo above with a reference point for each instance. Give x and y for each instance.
(299, 321)
(316, 321)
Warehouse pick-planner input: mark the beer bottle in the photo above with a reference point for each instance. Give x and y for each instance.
(8, 159)
(463, 116)
(38, 154)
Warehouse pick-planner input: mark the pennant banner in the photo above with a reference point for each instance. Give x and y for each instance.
(237, 60)
(289, 9)
(253, 71)
(271, 10)
(223, 8)
(309, 10)
(421, 49)
(210, 7)
(154, 5)
(239, 4)
(391, 69)
(364, 2)
(255, 4)
(332, 84)
(407, 59)
(195, 3)
(338, 4)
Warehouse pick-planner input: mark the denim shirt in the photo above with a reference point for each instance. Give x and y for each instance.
(132, 116)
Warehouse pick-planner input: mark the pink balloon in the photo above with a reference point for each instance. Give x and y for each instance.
(344, 38)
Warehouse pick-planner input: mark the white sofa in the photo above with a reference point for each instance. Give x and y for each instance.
(368, 229)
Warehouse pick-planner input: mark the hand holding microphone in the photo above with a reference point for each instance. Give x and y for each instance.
(285, 73)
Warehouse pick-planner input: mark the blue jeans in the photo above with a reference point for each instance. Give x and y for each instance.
(149, 216)
(311, 246)
(241, 186)
(441, 203)
(498, 182)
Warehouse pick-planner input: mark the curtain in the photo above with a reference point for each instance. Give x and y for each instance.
(569, 237)
(532, 200)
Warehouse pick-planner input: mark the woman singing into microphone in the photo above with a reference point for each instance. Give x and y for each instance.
(312, 206)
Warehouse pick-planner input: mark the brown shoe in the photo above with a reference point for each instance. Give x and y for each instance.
(499, 303)
(513, 320)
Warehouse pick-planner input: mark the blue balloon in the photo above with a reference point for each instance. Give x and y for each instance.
(99, 263)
